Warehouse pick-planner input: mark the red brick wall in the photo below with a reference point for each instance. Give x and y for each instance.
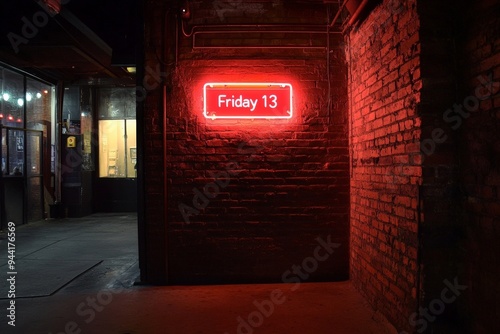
(479, 42)
(423, 192)
(280, 183)
(424, 106)
(384, 89)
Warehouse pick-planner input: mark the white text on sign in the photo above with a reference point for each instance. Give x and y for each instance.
(241, 102)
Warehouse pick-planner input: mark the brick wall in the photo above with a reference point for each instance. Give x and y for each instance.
(246, 200)
(152, 226)
(424, 105)
(479, 142)
(384, 89)
(423, 194)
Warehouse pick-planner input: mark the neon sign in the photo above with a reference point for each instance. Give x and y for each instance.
(247, 100)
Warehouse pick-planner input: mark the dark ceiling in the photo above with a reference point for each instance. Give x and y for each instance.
(87, 40)
(114, 21)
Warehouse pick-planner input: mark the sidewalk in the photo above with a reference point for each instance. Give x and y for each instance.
(77, 276)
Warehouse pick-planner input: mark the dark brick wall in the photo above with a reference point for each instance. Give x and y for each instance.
(459, 149)
(424, 105)
(384, 86)
(479, 142)
(275, 185)
(441, 226)
(423, 189)
(151, 171)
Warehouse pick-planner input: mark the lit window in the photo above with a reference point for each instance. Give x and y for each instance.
(117, 133)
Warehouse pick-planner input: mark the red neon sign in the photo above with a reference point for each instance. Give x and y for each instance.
(247, 100)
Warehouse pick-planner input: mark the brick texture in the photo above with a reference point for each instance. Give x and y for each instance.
(149, 92)
(256, 194)
(424, 88)
(403, 144)
(384, 90)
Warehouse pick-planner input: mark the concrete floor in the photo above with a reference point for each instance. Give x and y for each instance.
(77, 276)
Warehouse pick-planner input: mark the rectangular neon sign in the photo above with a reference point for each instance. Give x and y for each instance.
(247, 100)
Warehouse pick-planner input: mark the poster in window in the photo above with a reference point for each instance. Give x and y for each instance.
(19, 144)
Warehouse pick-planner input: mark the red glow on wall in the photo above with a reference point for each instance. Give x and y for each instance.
(54, 6)
(247, 100)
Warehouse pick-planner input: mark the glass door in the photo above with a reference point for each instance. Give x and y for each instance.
(21, 180)
(34, 175)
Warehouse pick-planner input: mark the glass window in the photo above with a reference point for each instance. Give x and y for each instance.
(71, 110)
(131, 147)
(87, 131)
(33, 145)
(77, 119)
(4, 152)
(39, 105)
(19, 95)
(116, 103)
(16, 152)
(26, 103)
(112, 148)
(117, 133)
(12, 98)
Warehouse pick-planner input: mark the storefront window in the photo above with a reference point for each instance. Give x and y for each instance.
(87, 134)
(117, 133)
(78, 120)
(39, 105)
(12, 152)
(27, 123)
(12, 98)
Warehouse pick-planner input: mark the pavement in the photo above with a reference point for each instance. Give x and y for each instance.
(78, 276)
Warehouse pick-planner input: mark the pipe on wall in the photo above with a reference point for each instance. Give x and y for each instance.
(240, 32)
(338, 13)
(358, 12)
(255, 27)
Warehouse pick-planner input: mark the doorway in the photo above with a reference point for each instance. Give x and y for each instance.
(116, 180)
(22, 175)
